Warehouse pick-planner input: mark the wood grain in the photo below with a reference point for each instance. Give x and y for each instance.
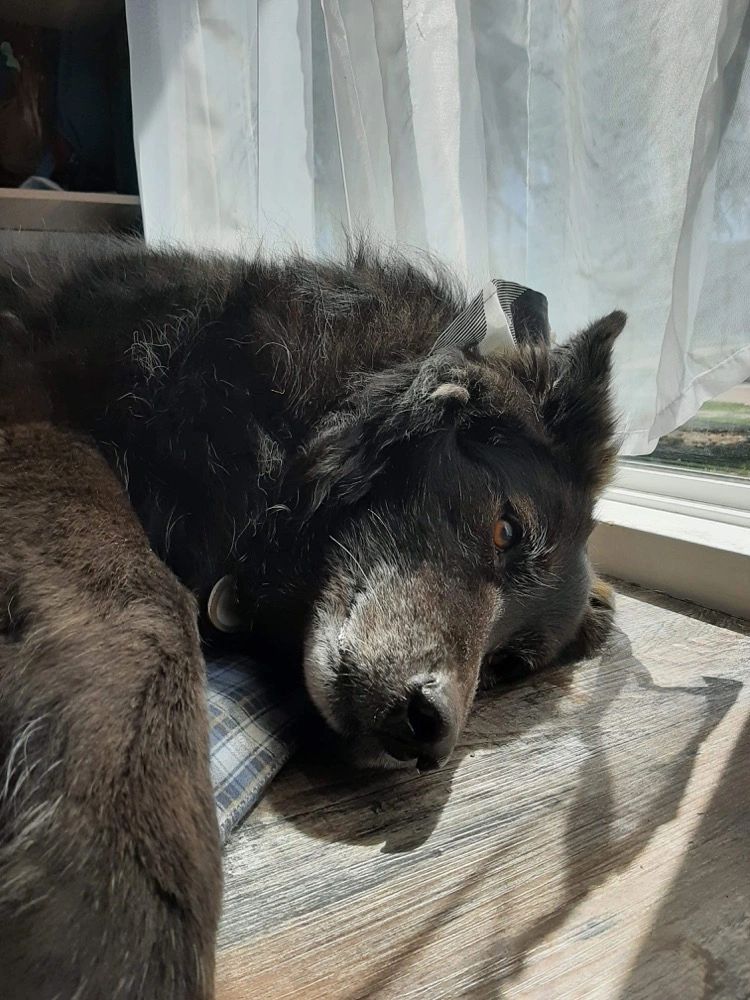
(591, 838)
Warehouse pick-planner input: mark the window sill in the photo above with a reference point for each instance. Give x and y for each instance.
(691, 549)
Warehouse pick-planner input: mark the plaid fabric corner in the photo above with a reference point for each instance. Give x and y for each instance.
(253, 723)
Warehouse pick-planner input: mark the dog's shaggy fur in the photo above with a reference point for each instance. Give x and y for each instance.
(287, 425)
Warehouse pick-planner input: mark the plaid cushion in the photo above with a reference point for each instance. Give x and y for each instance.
(253, 726)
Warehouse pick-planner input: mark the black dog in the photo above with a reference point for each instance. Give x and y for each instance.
(400, 525)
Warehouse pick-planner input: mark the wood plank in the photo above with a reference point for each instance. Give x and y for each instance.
(591, 838)
(68, 211)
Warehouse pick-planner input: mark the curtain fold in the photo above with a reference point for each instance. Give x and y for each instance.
(596, 150)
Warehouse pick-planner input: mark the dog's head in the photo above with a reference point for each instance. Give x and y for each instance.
(457, 494)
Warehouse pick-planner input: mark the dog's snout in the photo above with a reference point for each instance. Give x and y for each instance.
(422, 726)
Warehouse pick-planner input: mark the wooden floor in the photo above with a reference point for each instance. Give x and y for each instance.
(591, 838)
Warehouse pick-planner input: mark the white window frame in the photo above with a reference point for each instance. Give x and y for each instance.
(681, 532)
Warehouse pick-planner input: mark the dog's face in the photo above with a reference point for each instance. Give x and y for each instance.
(459, 496)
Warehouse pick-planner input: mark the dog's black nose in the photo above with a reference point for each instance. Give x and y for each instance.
(422, 727)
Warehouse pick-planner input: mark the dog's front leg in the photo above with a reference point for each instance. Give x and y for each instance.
(109, 855)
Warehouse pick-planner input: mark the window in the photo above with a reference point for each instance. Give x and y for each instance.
(678, 520)
(716, 439)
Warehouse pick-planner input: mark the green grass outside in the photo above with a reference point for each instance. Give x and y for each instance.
(716, 439)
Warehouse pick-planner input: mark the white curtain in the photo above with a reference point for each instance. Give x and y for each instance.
(597, 150)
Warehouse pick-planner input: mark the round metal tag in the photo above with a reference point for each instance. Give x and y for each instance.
(223, 608)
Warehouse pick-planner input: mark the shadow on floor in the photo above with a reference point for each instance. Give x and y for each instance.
(620, 800)
(700, 940)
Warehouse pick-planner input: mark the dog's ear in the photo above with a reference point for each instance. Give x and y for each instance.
(403, 403)
(340, 461)
(595, 625)
(577, 407)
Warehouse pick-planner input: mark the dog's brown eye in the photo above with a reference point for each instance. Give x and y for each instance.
(504, 534)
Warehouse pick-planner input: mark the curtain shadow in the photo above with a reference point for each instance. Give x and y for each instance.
(596, 846)
(698, 945)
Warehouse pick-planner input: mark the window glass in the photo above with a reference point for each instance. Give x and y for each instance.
(716, 439)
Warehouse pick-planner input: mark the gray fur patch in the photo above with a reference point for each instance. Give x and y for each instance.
(451, 390)
(270, 455)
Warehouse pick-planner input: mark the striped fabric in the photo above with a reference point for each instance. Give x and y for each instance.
(253, 724)
(498, 319)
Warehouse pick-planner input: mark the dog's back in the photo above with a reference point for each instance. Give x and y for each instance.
(177, 365)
